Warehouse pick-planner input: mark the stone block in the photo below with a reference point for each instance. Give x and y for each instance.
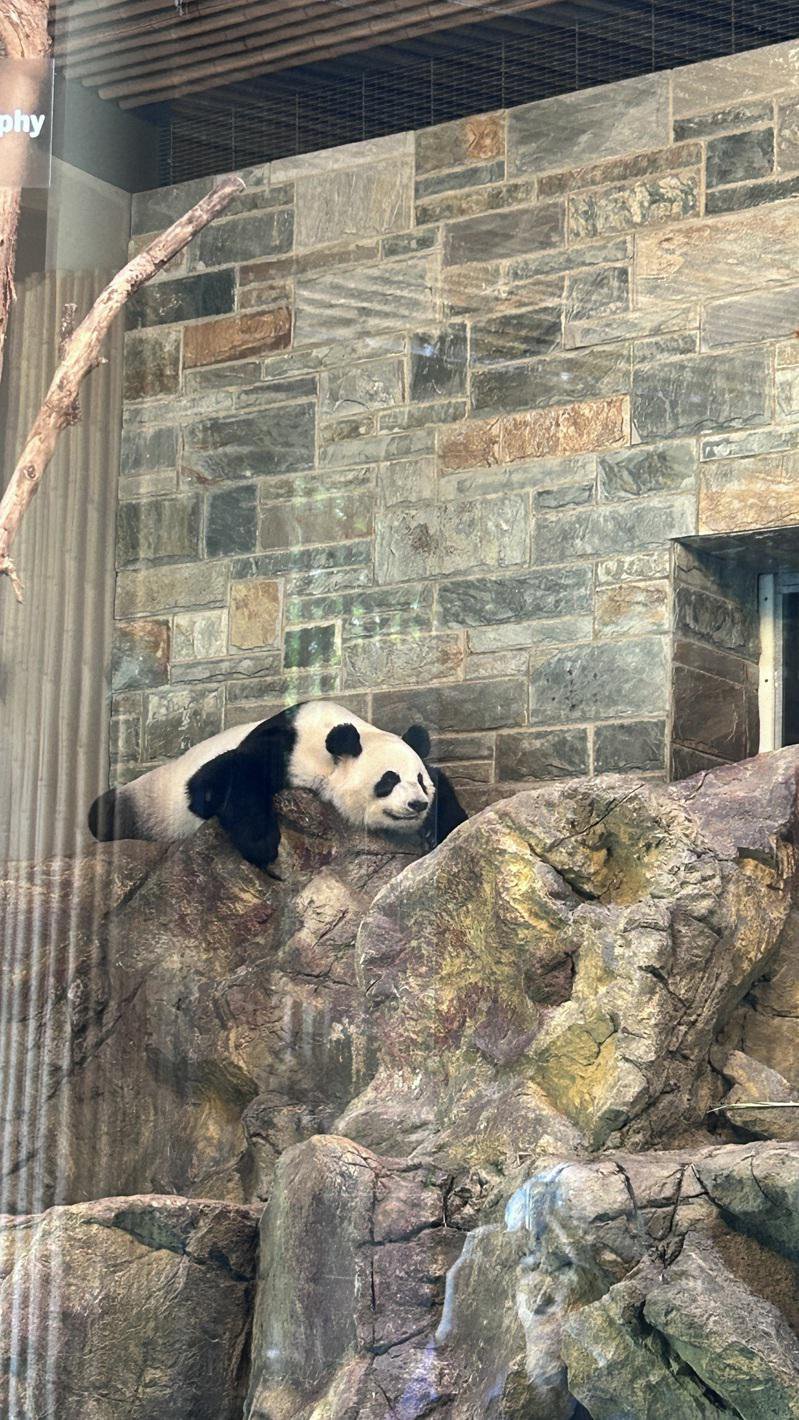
(157, 208)
(723, 120)
(374, 384)
(650, 202)
(748, 493)
(753, 73)
(663, 347)
(231, 520)
(608, 680)
(124, 738)
(222, 377)
(296, 684)
(303, 559)
(494, 664)
(754, 441)
(396, 146)
(233, 671)
(599, 290)
(188, 298)
(516, 335)
(337, 519)
(479, 175)
(236, 337)
(467, 705)
(438, 363)
(158, 530)
(787, 136)
(139, 654)
(636, 568)
(709, 714)
(199, 635)
(537, 635)
(466, 140)
(750, 194)
(152, 363)
(396, 295)
(542, 755)
(174, 720)
(155, 589)
(365, 201)
(146, 450)
(310, 646)
(406, 481)
(736, 157)
(703, 259)
(574, 128)
(787, 381)
(254, 613)
(269, 392)
(230, 240)
(494, 235)
(409, 242)
(703, 393)
(407, 660)
(720, 621)
(370, 612)
(538, 473)
(631, 609)
(631, 747)
(565, 378)
(632, 325)
(563, 495)
(756, 316)
(658, 468)
(527, 596)
(596, 532)
(279, 440)
(434, 540)
(567, 429)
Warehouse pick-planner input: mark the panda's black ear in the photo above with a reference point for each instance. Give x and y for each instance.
(419, 740)
(343, 742)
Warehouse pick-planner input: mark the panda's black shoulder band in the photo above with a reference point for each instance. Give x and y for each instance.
(343, 741)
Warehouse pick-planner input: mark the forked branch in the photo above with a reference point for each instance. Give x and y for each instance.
(81, 353)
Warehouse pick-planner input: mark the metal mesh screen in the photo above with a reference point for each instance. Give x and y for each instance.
(475, 69)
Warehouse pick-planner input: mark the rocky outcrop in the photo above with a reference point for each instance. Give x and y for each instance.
(491, 1099)
(135, 1307)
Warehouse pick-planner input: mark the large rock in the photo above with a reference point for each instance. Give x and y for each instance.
(189, 1016)
(489, 1098)
(132, 1306)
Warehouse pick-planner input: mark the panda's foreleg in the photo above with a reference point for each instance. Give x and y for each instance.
(237, 788)
(447, 811)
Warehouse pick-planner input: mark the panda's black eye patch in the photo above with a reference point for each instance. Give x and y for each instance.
(386, 783)
(420, 780)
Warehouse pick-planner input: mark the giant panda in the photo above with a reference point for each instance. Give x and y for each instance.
(374, 779)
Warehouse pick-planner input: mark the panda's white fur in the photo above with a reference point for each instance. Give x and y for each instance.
(294, 745)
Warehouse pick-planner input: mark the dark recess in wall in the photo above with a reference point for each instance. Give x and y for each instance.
(511, 60)
(101, 139)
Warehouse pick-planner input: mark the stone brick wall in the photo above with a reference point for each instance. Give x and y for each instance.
(416, 424)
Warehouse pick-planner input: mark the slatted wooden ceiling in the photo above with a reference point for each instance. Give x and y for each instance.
(139, 52)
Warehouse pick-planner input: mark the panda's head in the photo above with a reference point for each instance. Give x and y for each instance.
(380, 780)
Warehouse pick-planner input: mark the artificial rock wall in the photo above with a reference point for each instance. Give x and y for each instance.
(417, 424)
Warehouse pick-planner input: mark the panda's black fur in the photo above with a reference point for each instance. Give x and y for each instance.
(375, 779)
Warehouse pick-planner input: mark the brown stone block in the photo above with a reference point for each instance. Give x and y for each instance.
(748, 493)
(236, 337)
(254, 613)
(567, 429)
(710, 715)
(470, 445)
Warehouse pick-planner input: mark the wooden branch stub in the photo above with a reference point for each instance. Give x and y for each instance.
(81, 353)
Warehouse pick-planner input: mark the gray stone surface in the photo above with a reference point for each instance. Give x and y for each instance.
(660, 468)
(486, 601)
(738, 156)
(232, 239)
(750, 194)
(516, 335)
(145, 450)
(310, 646)
(440, 539)
(364, 299)
(368, 200)
(600, 682)
(438, 362)
(593, 531)
(577, 128)
(645, 203)
(500, 234)
(174, 720)
(159, 530)
(167, 302)
(375, 384)
(694, 395)
(475, 705)
(630, 747)
(559, 379)
(231, 521)
(542, 755)
(249, 445)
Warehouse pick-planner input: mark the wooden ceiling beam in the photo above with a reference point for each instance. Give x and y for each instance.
(165, 25)
(412, 21)
(260, 22)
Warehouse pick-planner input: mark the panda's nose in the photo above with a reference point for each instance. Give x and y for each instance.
(417, 805)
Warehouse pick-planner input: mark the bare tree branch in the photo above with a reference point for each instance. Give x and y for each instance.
(81, 353)
(23, 35)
